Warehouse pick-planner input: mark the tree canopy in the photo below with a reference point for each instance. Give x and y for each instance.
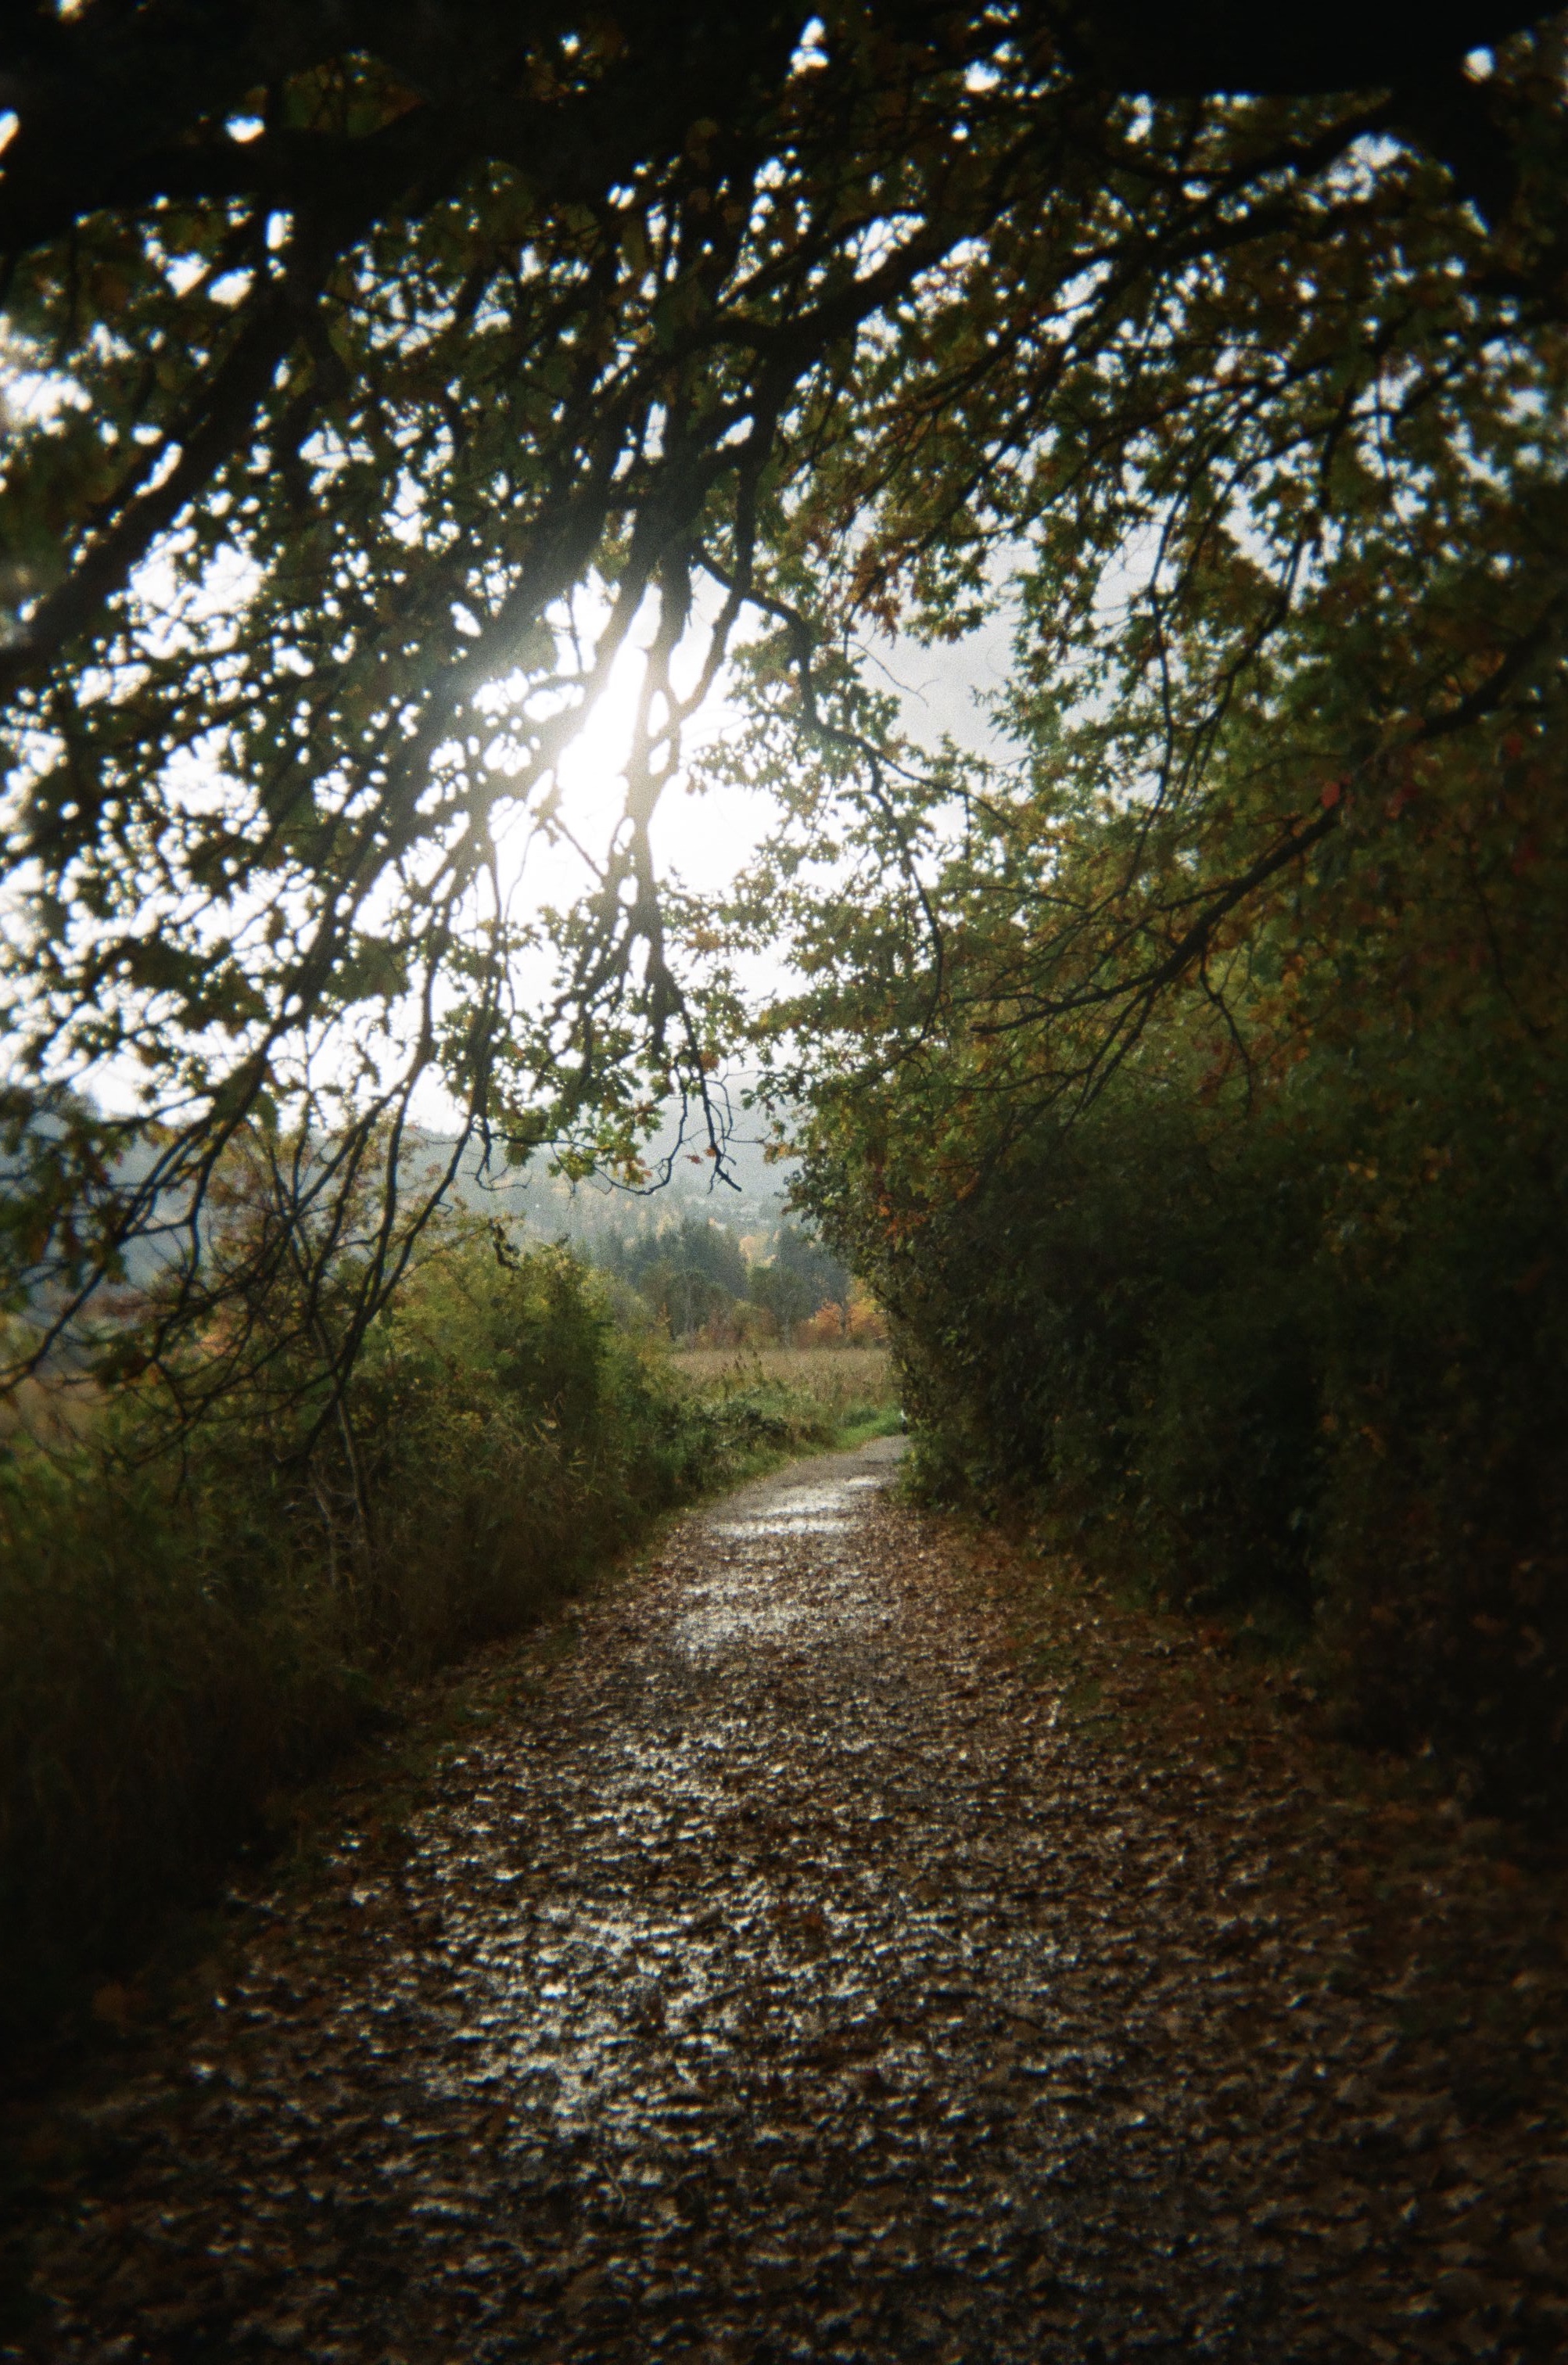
(378, 374)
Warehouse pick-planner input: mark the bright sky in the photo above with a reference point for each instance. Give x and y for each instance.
(702, 840)
(706, 839)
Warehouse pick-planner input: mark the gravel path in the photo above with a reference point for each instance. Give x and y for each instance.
(781, 1977)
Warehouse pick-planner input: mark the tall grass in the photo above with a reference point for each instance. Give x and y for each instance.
(851, 1383)
(183, 1632)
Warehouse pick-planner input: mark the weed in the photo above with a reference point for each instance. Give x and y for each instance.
(184, 1638)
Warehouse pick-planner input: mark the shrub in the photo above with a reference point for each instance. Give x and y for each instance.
(1309, 1357)
(183, 1630)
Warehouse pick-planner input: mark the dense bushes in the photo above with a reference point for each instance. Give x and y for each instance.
(181, 1632)
(1214, 1174)
(1278, 1320)
(1305, 1360)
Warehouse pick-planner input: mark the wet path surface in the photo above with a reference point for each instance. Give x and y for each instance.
(784, 1980)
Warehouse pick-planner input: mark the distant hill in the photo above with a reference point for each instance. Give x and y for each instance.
(597, 1217)
(751, 1201)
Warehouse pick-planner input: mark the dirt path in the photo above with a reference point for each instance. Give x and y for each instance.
(785, 1979)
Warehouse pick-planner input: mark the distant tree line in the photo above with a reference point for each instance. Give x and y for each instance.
(696, 1277)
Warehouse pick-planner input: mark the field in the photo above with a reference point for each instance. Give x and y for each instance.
(841, 1378)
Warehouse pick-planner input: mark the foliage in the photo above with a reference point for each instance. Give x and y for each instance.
(182, 1634)
(699, 1280)
(1187, 1076)
(800, 1277)
(386, 379)
(687, 1272)
(1282, 1318)
(385, 375)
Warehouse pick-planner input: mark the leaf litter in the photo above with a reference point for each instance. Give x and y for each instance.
(856, 1945)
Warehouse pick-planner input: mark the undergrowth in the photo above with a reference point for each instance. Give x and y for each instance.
(184, 1632)
(1301, 1366)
